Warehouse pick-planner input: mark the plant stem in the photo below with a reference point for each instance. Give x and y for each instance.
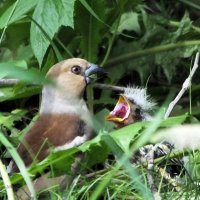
(176, 24)
(128, 56)
(11, 13)
(110, 43)
(6, 180)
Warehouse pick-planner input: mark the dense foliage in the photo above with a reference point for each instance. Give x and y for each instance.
(145, 43)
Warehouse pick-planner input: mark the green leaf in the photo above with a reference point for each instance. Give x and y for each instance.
(8, 120)
(100, 118)
(124, 136)
(168, 61)
(13, 70)
(87, 6)
(24, 52)
(15, 37)
(22, 133)
(171, 121)
(17, 63)
(129, 22)
(22, 7)
(185, 27)
(60, 162)
(50, 15)
(10, 93)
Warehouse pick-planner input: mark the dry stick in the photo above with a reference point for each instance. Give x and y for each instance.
(185, 86)
(109, 87)
(6, 181)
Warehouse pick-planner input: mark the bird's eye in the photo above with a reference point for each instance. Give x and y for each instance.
(76, 69)
(137, 111)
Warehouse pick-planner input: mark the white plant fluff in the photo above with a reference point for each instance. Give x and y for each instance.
(181, 136)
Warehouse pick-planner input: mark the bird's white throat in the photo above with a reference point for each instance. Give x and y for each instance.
(54, 103)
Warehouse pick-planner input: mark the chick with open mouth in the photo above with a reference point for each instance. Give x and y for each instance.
(132, 106)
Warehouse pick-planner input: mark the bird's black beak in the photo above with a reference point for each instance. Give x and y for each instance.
(93, 69)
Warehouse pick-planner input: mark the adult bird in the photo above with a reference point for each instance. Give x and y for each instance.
(64, 120)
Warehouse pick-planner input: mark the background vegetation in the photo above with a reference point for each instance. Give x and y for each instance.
(145, 43)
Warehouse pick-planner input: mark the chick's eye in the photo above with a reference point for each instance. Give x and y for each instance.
(76, 69)
(137, 111)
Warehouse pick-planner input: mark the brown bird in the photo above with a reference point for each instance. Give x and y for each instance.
(64, 120)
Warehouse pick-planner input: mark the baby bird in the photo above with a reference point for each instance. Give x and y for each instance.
(133, 105)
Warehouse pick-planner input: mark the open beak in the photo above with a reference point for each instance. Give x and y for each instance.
(121, 110)
(93, 69)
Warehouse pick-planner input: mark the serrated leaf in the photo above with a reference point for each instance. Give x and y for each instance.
(97, 153)
(11, 16)
(50, 15)
(168, 61)
(184, 27)
(125, 135)
(8, 120)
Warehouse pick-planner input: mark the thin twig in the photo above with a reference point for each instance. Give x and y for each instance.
(186, 85)
(12, 82)
(6, 181)
(109, 87)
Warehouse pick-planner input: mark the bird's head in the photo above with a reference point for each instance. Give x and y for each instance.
(71, 76)
(132, 106)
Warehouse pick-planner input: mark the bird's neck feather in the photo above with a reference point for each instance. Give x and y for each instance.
(54, 102)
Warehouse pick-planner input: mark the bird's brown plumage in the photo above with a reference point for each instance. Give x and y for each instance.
(48, 132)
(63, 114)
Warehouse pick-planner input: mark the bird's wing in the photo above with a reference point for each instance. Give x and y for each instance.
(57, 131)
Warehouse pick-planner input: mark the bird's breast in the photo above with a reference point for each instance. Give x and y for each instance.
(53, 131)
